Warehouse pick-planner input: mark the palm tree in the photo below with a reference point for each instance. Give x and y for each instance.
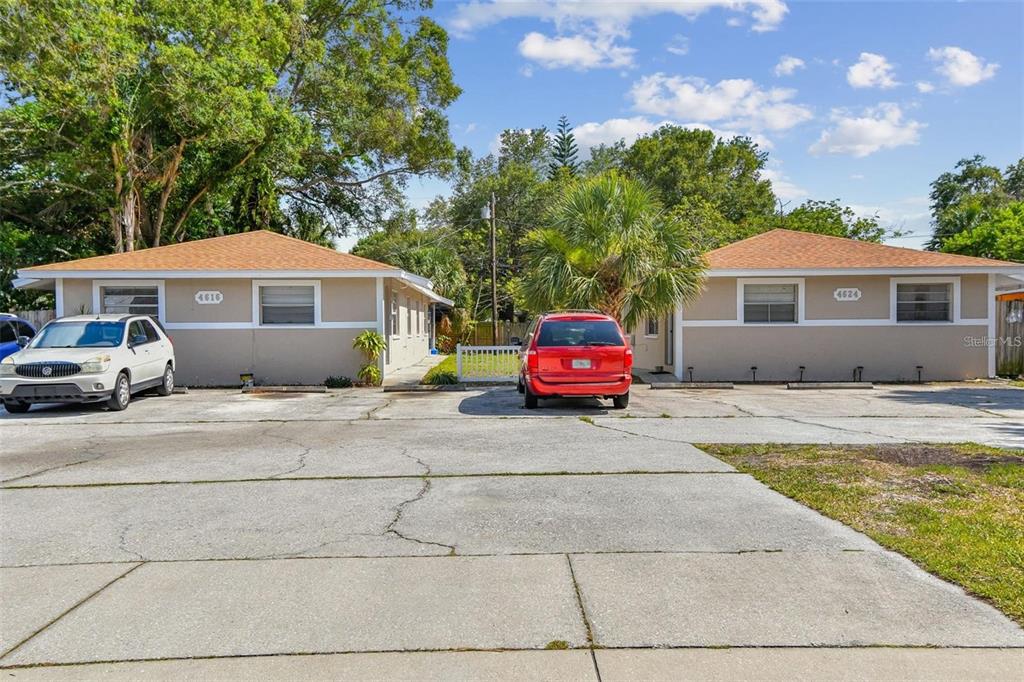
(611, 246)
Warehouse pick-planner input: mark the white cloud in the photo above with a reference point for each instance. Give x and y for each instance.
(629, 129)
(961, 68)
(784, 188)
(679, 45)
(738, 103)
(872, 71)
(576, 52)
(857, 176)
(609, 18)
(924, 86)
(787, 65)
(881, 127)
(470, 127)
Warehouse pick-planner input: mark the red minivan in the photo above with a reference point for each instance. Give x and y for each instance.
(575, 354)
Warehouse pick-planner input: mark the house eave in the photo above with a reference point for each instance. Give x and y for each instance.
(824, 272)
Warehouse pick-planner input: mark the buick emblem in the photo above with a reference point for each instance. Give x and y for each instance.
(47, 371)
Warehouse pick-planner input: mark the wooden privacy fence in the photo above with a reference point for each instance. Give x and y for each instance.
(37, 318)
(1010, 338)
(481, 333)
(492, 364)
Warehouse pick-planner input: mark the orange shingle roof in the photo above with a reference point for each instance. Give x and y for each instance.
(791, 250)
(258, 250)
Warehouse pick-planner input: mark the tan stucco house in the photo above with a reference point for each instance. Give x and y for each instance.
(783, 300)
(257, 302)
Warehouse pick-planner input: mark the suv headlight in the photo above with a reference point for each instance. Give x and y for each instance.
(7, 367)
(96, 365)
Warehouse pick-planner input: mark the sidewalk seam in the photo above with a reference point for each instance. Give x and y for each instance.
(583, 615)
(88, 597)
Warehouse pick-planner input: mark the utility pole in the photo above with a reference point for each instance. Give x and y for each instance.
(494, 273)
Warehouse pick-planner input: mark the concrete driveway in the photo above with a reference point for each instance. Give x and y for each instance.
(451, 535)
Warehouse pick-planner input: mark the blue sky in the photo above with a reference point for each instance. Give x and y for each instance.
(861, 101)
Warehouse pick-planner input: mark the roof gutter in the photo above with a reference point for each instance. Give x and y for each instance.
(1009, 271)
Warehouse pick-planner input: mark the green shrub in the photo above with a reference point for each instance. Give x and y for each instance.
(442, 374)
(371, 344)
(337, 382)
(370, 374)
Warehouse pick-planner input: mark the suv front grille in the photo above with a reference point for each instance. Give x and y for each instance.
(47, 370)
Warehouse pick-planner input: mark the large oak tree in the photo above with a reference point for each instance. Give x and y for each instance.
(167, 118)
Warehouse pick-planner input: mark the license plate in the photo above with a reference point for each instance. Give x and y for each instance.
(580, 363)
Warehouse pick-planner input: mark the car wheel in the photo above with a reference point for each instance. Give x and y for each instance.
(529, 398)
(17, 408)
(122, 394)
(621, 402)
(166, 386)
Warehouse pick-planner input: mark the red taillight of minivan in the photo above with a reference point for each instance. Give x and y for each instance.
(532, 361)
(627, 362)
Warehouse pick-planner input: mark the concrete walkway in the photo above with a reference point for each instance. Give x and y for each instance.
(410, 376)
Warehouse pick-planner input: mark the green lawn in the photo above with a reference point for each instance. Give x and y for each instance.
(474, 365)
(955, 510)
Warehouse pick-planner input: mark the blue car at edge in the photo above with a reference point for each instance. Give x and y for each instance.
(14, 333)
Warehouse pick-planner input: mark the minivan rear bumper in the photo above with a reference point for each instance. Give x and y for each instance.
(574, 390)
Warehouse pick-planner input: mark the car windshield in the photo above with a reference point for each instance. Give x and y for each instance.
(579, 333)
(84, 334)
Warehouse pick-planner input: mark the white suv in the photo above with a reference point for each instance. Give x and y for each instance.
(89, 358)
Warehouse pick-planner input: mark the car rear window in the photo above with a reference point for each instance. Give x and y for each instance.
(579, 333)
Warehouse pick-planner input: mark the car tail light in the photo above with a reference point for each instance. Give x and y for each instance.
(532, 361)
(627, 362)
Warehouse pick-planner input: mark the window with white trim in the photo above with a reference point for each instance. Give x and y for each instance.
(130, 300)
(651, 327)
(283, 304)
(924, 302)
(408, 316)
(419, 324)
(393, 317)
(770, 303)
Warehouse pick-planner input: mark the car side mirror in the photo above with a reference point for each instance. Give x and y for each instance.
(23, 341)
(138, 339)
(516, 341)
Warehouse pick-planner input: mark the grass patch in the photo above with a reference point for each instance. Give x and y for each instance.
(955, 510)
(557, 644)
(442, 373)
(446, 371)
(585, 419)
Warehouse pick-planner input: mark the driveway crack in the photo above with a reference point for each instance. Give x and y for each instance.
(89, 449)
(392, 527)
(300, 460)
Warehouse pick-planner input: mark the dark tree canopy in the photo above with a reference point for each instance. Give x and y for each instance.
(175, 120)
(688, 163)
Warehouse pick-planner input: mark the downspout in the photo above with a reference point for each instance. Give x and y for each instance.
(58, 297)
(380, 323)
(992, 340)
(677, 340)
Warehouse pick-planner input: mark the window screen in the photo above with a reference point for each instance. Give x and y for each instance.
(924, 302)
(769, 303)
(130, 300)
(287, 304)
(651, 328)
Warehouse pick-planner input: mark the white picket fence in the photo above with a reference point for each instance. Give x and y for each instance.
(490, 364)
